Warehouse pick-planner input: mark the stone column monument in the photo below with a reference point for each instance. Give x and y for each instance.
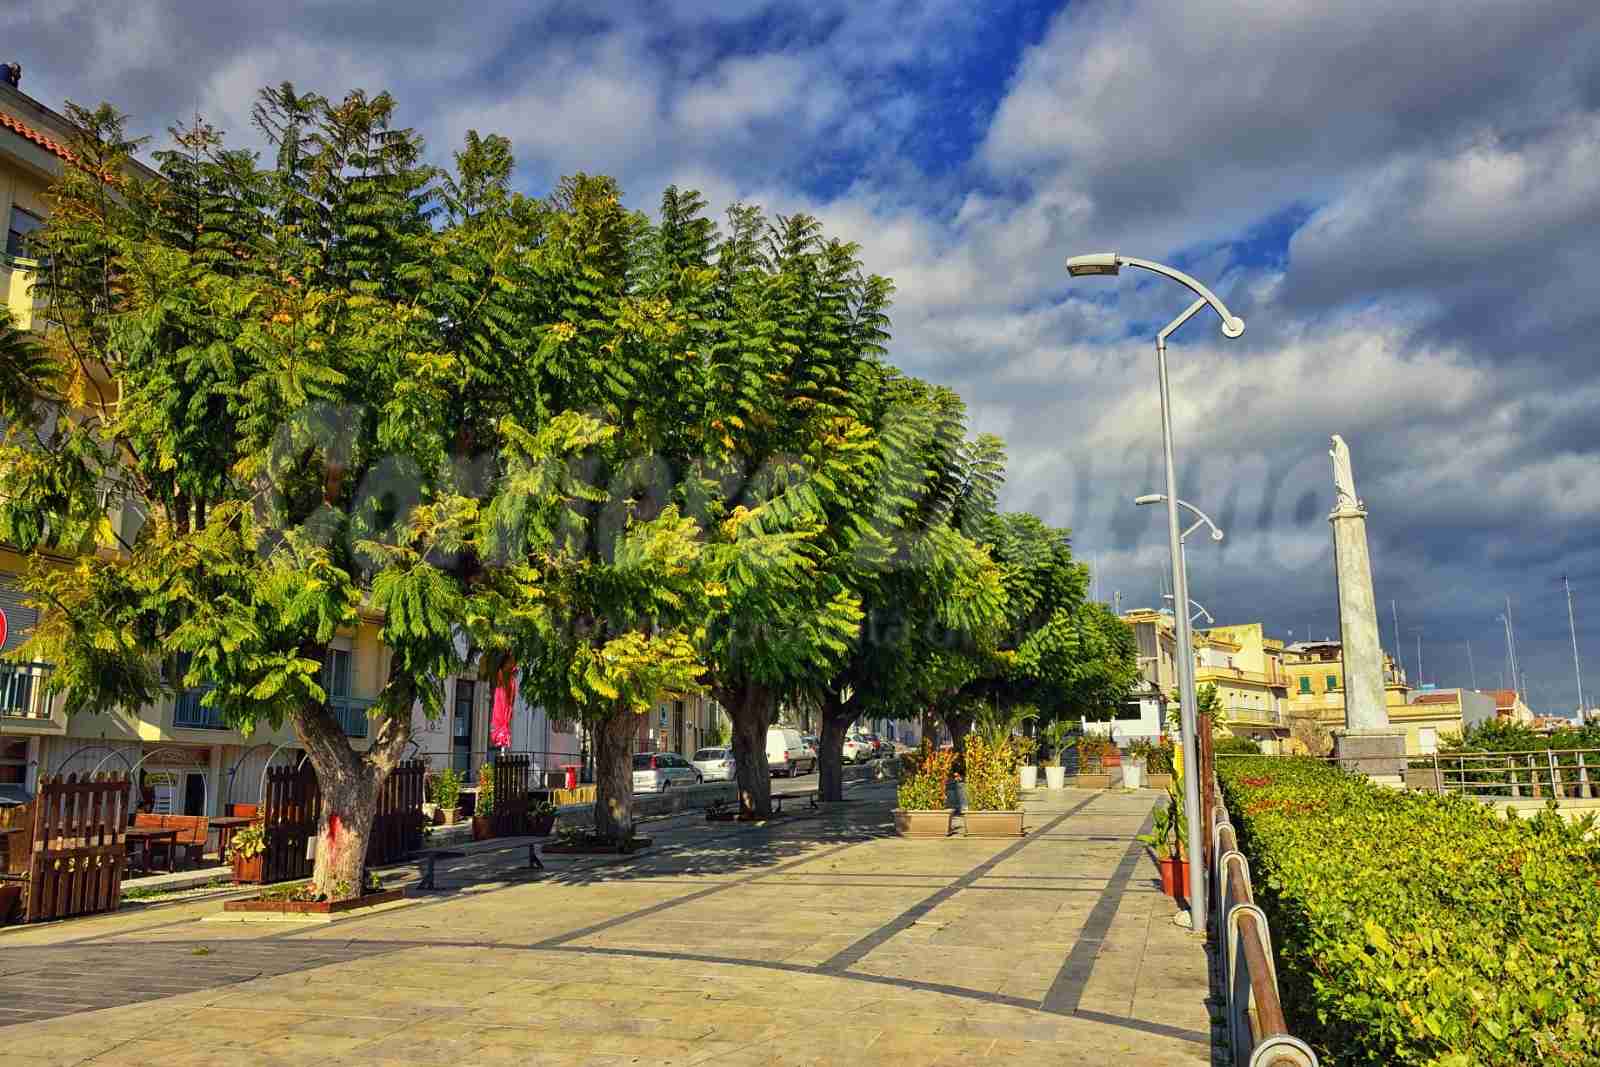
(1367, 743)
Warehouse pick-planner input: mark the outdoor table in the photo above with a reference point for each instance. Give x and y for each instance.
(148, 836)
(226, 826)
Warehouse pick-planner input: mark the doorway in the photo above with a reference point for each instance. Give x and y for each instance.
(194, 793)
(461, 725)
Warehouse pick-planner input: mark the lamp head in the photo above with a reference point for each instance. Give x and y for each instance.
(1097, 263)
(1232, 326)
(1149, 498)
(1216, 534)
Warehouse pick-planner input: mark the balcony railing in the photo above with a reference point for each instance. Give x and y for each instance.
(1266, 716)
(352, 714)
(188, 712)
(22, 691)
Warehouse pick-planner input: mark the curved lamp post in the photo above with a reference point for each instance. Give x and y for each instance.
(1232, 326)
(1183, 545)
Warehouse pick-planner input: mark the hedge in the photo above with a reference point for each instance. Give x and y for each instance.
(1419, 929)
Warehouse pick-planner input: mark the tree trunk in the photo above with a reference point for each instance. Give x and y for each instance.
(349, 782)
(930, 727)
(830, 758)
(613, 775)
(750, 708)
(959, 724)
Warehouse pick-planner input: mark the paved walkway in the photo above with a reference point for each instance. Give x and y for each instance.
(820, 939)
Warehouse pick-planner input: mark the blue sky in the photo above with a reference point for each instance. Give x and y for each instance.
(1399, 197)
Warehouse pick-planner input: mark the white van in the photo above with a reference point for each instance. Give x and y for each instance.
(787, 753)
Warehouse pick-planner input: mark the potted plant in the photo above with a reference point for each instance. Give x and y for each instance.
(922, 810)
(1027, 773)
(483, 809)
(996, 804)
(445, 789)
(541, 818)
(1169, 836)
(1059, 734)
(247, 852)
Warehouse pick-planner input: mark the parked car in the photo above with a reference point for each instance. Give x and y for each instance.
(876, 742)
(856, 750)
(714, 764)
(787, 753)
(656, 772)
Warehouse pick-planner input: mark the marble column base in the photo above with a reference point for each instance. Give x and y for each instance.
(1376, 753)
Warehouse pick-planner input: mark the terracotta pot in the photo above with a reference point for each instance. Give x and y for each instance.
(1030, 776)
(1157, 781)
(1055, 777)
(1111, 758)
(247, 870)
(994, 823)
(481, 829)
(1174, 877)
(922, 822)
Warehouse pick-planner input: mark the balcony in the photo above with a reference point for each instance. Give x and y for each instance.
(1255, 716)
(190, 714)
(22, 691)
(352, 714)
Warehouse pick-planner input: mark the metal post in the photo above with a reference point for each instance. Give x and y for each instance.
(1180, 597)
(1572, 622)
(1438, 782)
(1511, 763)
(1583, 779)
(1555, 775)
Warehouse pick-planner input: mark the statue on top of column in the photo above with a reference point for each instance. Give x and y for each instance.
(1344, 482)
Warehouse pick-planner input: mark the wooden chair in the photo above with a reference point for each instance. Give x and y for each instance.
(193, 831)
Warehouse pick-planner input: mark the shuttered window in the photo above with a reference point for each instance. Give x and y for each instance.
(19, 619)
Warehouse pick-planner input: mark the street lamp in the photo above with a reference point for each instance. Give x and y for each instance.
(1183, 544)
(1199, 610)
(1232, 326)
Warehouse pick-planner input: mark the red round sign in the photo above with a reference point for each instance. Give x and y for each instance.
(2, 627)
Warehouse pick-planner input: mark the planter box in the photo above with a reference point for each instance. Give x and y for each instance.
(1174, 877)
(542, 826)
(1092, 781)
(1055, 777)
(448, 816)
(922, 822)
(994, 823)
(247, 870)
(1158, 781)
(315, 907)
(482, 830)
(594, 848)
(1029, 776)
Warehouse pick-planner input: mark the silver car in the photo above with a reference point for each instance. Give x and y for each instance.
(714, 764)
(656, 772)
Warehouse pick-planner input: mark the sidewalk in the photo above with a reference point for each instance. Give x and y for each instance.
(820, 939)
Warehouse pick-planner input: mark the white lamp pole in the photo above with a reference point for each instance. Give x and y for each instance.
(1232, 326)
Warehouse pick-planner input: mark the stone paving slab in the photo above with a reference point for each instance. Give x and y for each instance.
(815, 940)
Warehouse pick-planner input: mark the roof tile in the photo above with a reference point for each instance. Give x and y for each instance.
(22, 129)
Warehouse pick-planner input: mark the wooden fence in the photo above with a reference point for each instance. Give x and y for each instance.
(78, 852)
(397, 829)
(510, 816)
(292, 808)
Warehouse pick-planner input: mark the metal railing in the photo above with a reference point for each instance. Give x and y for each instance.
(1536, 773)
(1266, 716)
(189, 713)
(1257, 1028)
(352, 714)
(22, 690)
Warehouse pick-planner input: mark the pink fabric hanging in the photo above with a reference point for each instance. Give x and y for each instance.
(505, 696)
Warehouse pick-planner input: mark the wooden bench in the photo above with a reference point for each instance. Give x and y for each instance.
(193, 831)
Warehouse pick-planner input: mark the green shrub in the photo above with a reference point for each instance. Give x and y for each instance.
(444, 788)
(1157, 756)
(925, 779)
(1231, 745)
(1418, 929)
(992, 775)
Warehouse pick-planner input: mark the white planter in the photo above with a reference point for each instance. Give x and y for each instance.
(1030, 776)
(1132, 776)
(1055, 777)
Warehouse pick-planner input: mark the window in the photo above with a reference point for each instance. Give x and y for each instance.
(1333, 683)
(13, 761)
(1428, 740)
(22, 224)
(1305, 683)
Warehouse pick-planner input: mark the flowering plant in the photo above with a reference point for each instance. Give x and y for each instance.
(925, 785)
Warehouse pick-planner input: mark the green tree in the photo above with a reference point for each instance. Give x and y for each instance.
(253, 364)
